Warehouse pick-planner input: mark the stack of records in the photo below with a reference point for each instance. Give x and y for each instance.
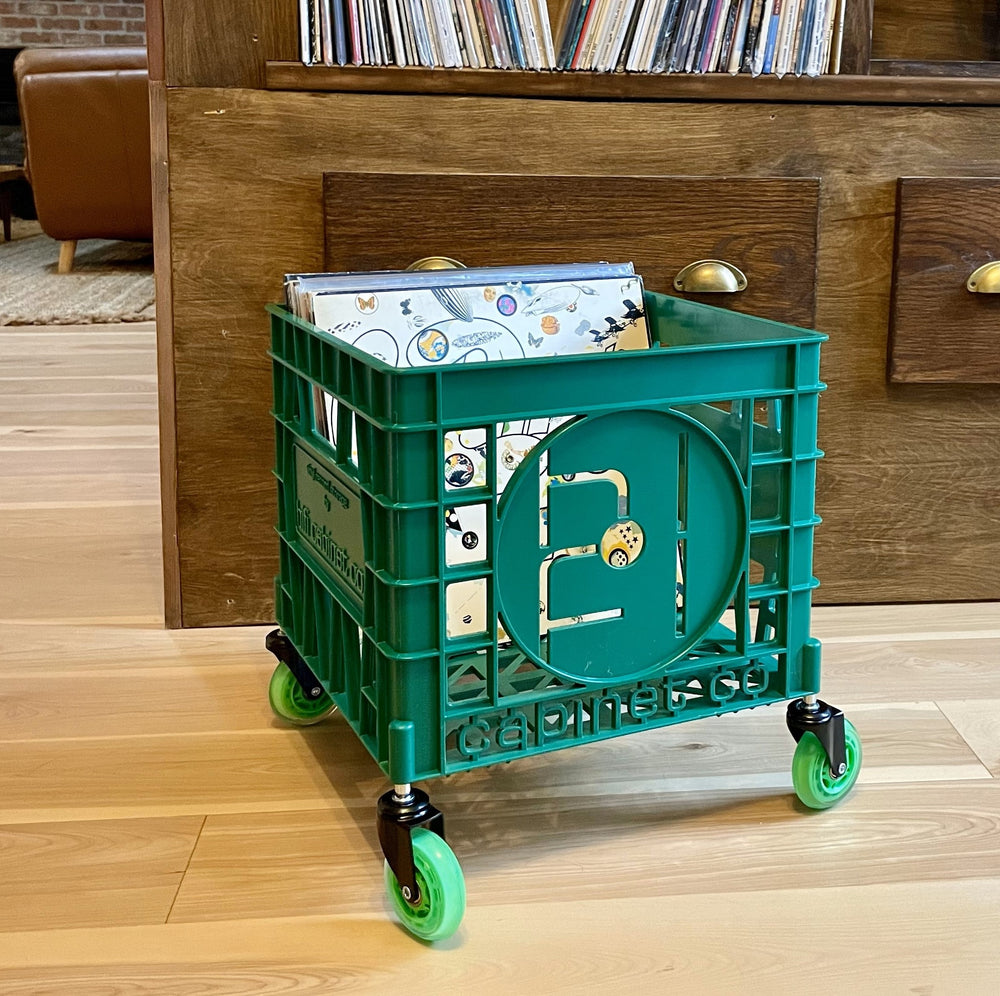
(777, 37)
(475, 34)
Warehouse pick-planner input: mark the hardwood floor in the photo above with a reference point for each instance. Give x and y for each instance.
(162, 833)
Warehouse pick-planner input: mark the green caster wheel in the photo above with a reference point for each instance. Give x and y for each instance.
(442, 889)
(811, 775)
(292, 704)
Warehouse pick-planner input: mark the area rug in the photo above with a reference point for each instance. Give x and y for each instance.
(110, 282)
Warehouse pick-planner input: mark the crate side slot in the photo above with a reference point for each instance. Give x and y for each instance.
(403, 542)
(402, 466)
(405, 617)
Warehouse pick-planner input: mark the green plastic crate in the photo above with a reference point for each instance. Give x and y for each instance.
(714, 429)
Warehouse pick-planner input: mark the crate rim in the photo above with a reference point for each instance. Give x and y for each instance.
(793, 335)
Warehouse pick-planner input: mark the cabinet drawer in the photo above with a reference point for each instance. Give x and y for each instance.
(942, 332)
(764, 227)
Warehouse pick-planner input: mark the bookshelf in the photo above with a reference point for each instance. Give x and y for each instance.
(938, 41)
(946, 52)
(244, 136)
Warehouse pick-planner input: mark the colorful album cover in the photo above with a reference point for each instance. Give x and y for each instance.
(506, 321)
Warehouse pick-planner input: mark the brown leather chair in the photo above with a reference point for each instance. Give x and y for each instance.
(85, 113)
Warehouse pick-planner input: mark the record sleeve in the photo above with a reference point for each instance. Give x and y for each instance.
(305, 32)
(682, 36)
(816, 39)
(630, 34)
(752, 34)
(773, 26)
(713, 19)
(433, 326)
(805, 33)
(760, 44)
(838, 36)
(569, 30)
(734, 60)
(639, 35)
(612, 14)
(666, 32)
(529, 36)
(590, 12)
(728, 33)
(645, 59)
(548, 46)
(691, 54)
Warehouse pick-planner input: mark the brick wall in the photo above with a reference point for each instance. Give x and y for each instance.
(71, 22)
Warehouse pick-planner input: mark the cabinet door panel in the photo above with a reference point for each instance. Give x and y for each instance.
(766, 227)
(941, 332)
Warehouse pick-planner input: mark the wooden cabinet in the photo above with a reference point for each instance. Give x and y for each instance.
(798, 183)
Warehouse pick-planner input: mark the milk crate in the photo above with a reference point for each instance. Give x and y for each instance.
(670, 557)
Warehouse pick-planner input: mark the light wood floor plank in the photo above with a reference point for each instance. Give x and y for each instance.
(96, 645)
(93, 874)
(304, 863)
(889, 671)
(34, 390)
(35, 491)
(54, 467)
(43, 438)
(861, 940)
(141, 702)
(903, 742)
(66, 562)
(141, 776)
(251, 769)
(80, 409)
(899, 623)
(40, 343)
(55, 334)
(76, 358)
(287, 864)
(205, 695)
(978, 722)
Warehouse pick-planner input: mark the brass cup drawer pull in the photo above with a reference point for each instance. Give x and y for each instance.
(710, 276)
(436, 263)
(985, 279)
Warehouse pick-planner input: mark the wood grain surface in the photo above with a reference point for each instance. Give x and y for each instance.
(916, 88)
(941, 332)
(701, 944)
(155, 42)
(224, 43)
(166, 386)
(766, 227)
(938, 29)
(856, 44)
(163, 833)
(896, 457)
(96, 873)
(937, 70)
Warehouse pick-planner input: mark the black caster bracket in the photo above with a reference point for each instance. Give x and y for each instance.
(398, 817)
(826, 723)
(278, 644)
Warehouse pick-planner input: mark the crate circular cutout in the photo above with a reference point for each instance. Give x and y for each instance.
(614, 618)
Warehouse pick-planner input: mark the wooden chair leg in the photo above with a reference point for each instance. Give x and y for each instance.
(67, 250)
